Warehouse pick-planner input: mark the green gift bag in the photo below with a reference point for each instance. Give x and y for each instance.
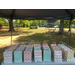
(18, 56)
(47, 55)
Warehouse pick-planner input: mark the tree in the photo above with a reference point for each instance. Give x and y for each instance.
(6, 22)
(27, 23)
(61, 30)
(73, 21)
(35, 22)
(21, 23)
(57, 22)
(31, 22)
(66, 23)
(11, 25)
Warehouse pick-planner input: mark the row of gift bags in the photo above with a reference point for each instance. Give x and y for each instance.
(25, 53)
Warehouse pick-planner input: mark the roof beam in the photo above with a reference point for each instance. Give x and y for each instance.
(3, 15)
(12, 13)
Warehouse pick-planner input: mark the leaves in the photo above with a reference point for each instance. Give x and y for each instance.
(4, 21)
(66, 23)
(27, 23)
(22, 23)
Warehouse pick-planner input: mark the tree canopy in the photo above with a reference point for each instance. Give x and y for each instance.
(66, 23)
(27, 23)
(4, 21)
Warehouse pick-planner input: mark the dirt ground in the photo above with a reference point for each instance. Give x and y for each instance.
(5, 37)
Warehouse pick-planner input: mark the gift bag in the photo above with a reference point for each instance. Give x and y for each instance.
(37, 53)
(46, 53)
(18, 53)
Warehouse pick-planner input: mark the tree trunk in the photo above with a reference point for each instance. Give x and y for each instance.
(25, 25)
(11, 25)
(61, 27)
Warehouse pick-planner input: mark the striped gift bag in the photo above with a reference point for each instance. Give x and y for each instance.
(68, 54)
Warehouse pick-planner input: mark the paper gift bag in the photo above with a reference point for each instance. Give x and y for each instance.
(8, 54)
(37, 53)
(28, 54)
(18, 54)
(46, 53)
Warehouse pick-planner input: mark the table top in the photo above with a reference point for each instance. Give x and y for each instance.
(43, 63)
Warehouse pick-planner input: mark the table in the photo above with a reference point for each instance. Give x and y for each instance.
(43, 63)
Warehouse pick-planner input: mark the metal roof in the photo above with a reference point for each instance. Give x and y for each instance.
(33, 14)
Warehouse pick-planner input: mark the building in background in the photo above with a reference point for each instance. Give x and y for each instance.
(50, 23)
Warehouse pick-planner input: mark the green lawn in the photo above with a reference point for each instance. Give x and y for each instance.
(41, 35)
(5, 27)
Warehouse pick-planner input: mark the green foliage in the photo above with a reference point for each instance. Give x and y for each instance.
(22, 23)
(27, 23)
(58, 22)
(66, 23)
(4, 21)
(73, 21)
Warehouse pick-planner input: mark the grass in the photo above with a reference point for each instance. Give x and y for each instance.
(34, 35)
(5, 27)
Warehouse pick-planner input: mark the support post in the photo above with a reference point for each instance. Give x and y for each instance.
(70, 31)
(11, 32)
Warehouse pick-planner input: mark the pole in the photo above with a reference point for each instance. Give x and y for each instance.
(70, 32)
(11, 24)
(11, 31)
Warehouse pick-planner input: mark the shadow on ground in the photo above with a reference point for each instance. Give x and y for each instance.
(49, 37)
